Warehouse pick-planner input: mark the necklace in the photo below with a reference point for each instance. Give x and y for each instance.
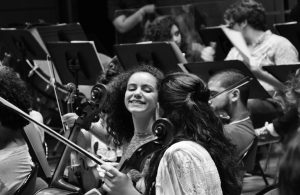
(238, 121)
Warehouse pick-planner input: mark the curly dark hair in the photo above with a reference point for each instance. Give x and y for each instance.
(247, 10)
(160, 30)
(119, 119)
(113, 69)
(184, 100)
(14, 90)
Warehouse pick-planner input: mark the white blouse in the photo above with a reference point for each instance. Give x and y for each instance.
(187, 168)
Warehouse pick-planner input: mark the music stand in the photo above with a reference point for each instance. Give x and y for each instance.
(22, 44)
(291, 31)
(216, 34)
(206, 69)
(58, 32)
(282, 72)
(164, 55)
(62, 32)
(76, 62)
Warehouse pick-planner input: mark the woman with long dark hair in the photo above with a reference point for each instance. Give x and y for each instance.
(199, 159)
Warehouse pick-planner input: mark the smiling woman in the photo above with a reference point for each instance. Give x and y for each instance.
(131, 112)
(141, 94)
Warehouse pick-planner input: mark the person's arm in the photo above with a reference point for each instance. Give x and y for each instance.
(96, 128)
(285, 54)
(267, 77)
(123, 23)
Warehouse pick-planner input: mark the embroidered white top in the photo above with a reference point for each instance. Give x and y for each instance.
(187, 168)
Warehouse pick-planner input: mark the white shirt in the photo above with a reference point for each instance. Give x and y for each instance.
(187, 168)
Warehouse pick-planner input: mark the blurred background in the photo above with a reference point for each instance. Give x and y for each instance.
(93, 15)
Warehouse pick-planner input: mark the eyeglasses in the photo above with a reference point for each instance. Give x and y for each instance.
(232, 87)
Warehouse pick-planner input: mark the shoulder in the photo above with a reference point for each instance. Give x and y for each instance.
(186, 150)
(279, 40)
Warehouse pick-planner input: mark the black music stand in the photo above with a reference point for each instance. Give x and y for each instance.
(62, 32)
(291, 31)
(76, 62)
(206, 69)
(21, 44)
(282, 72)
(216, 34)
(164, 55)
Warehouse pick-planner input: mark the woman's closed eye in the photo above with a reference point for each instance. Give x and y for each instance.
(147, 89)
(131, 87)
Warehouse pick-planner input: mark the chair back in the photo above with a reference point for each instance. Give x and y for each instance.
(248, 159)
(28, 186)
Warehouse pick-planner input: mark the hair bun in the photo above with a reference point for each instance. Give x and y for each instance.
(202, 93)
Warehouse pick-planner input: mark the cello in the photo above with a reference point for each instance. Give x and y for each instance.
(163, 130)
(58, 183)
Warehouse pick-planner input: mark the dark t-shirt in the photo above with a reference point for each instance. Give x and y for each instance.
(241, 134)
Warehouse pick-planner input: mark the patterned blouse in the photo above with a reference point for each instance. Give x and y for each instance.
(187, 168)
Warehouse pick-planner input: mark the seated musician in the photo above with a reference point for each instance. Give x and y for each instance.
(129, 123)
(15, 160)
(240, 129)
(199, 160)
(266, 49)
(166, 28)
(95, 137)
(285, 125)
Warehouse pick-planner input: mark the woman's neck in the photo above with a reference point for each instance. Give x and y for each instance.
(255, 36)
(143, 125)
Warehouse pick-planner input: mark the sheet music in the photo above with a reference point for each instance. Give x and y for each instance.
(237, 39)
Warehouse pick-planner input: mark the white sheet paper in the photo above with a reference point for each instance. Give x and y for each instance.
(238, 41)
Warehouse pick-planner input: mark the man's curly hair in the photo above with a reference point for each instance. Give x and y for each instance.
(247, 10)
(119, 119)
(14, 90)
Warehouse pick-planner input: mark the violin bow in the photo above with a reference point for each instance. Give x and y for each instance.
(51, 132)
(234, 86)
(52, 82)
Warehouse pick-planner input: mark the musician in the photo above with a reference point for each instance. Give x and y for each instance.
(15, 160)
(166, 28)
(199, 160)
(266, 49)
(101, 143)
(240, 129)
(286, 125)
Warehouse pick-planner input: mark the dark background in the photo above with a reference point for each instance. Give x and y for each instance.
(92, 15)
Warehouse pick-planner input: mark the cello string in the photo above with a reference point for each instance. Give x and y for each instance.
(52, 83)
